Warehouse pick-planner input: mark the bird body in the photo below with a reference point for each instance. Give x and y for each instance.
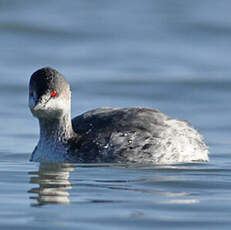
(106, 135)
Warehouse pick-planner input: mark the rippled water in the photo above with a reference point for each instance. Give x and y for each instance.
(170, 55)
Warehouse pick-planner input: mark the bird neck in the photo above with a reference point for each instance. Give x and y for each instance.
(56, 130)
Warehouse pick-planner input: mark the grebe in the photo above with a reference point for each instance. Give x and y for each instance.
(106, 135)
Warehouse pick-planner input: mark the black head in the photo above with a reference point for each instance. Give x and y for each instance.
(47, 79)
(48, 92)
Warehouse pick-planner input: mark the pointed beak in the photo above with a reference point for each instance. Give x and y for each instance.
(38, 105)
(35, 103)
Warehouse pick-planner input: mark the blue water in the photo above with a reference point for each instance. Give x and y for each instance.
(171, 55)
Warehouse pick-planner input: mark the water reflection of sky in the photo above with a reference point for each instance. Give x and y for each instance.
(53, 185)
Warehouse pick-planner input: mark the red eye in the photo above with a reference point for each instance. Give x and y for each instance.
(31, 93)
(53, 93)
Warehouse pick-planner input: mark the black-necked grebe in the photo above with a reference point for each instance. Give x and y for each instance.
(115, 135)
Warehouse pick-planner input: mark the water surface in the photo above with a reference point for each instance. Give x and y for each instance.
(170, 55)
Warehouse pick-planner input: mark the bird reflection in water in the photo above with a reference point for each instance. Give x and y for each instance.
(53, 183)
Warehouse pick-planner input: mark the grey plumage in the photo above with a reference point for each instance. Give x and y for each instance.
(126, 135)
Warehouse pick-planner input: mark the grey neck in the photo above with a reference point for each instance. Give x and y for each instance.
(56, 130)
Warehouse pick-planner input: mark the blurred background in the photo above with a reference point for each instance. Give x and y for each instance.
(171, 55)
(107, 40)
